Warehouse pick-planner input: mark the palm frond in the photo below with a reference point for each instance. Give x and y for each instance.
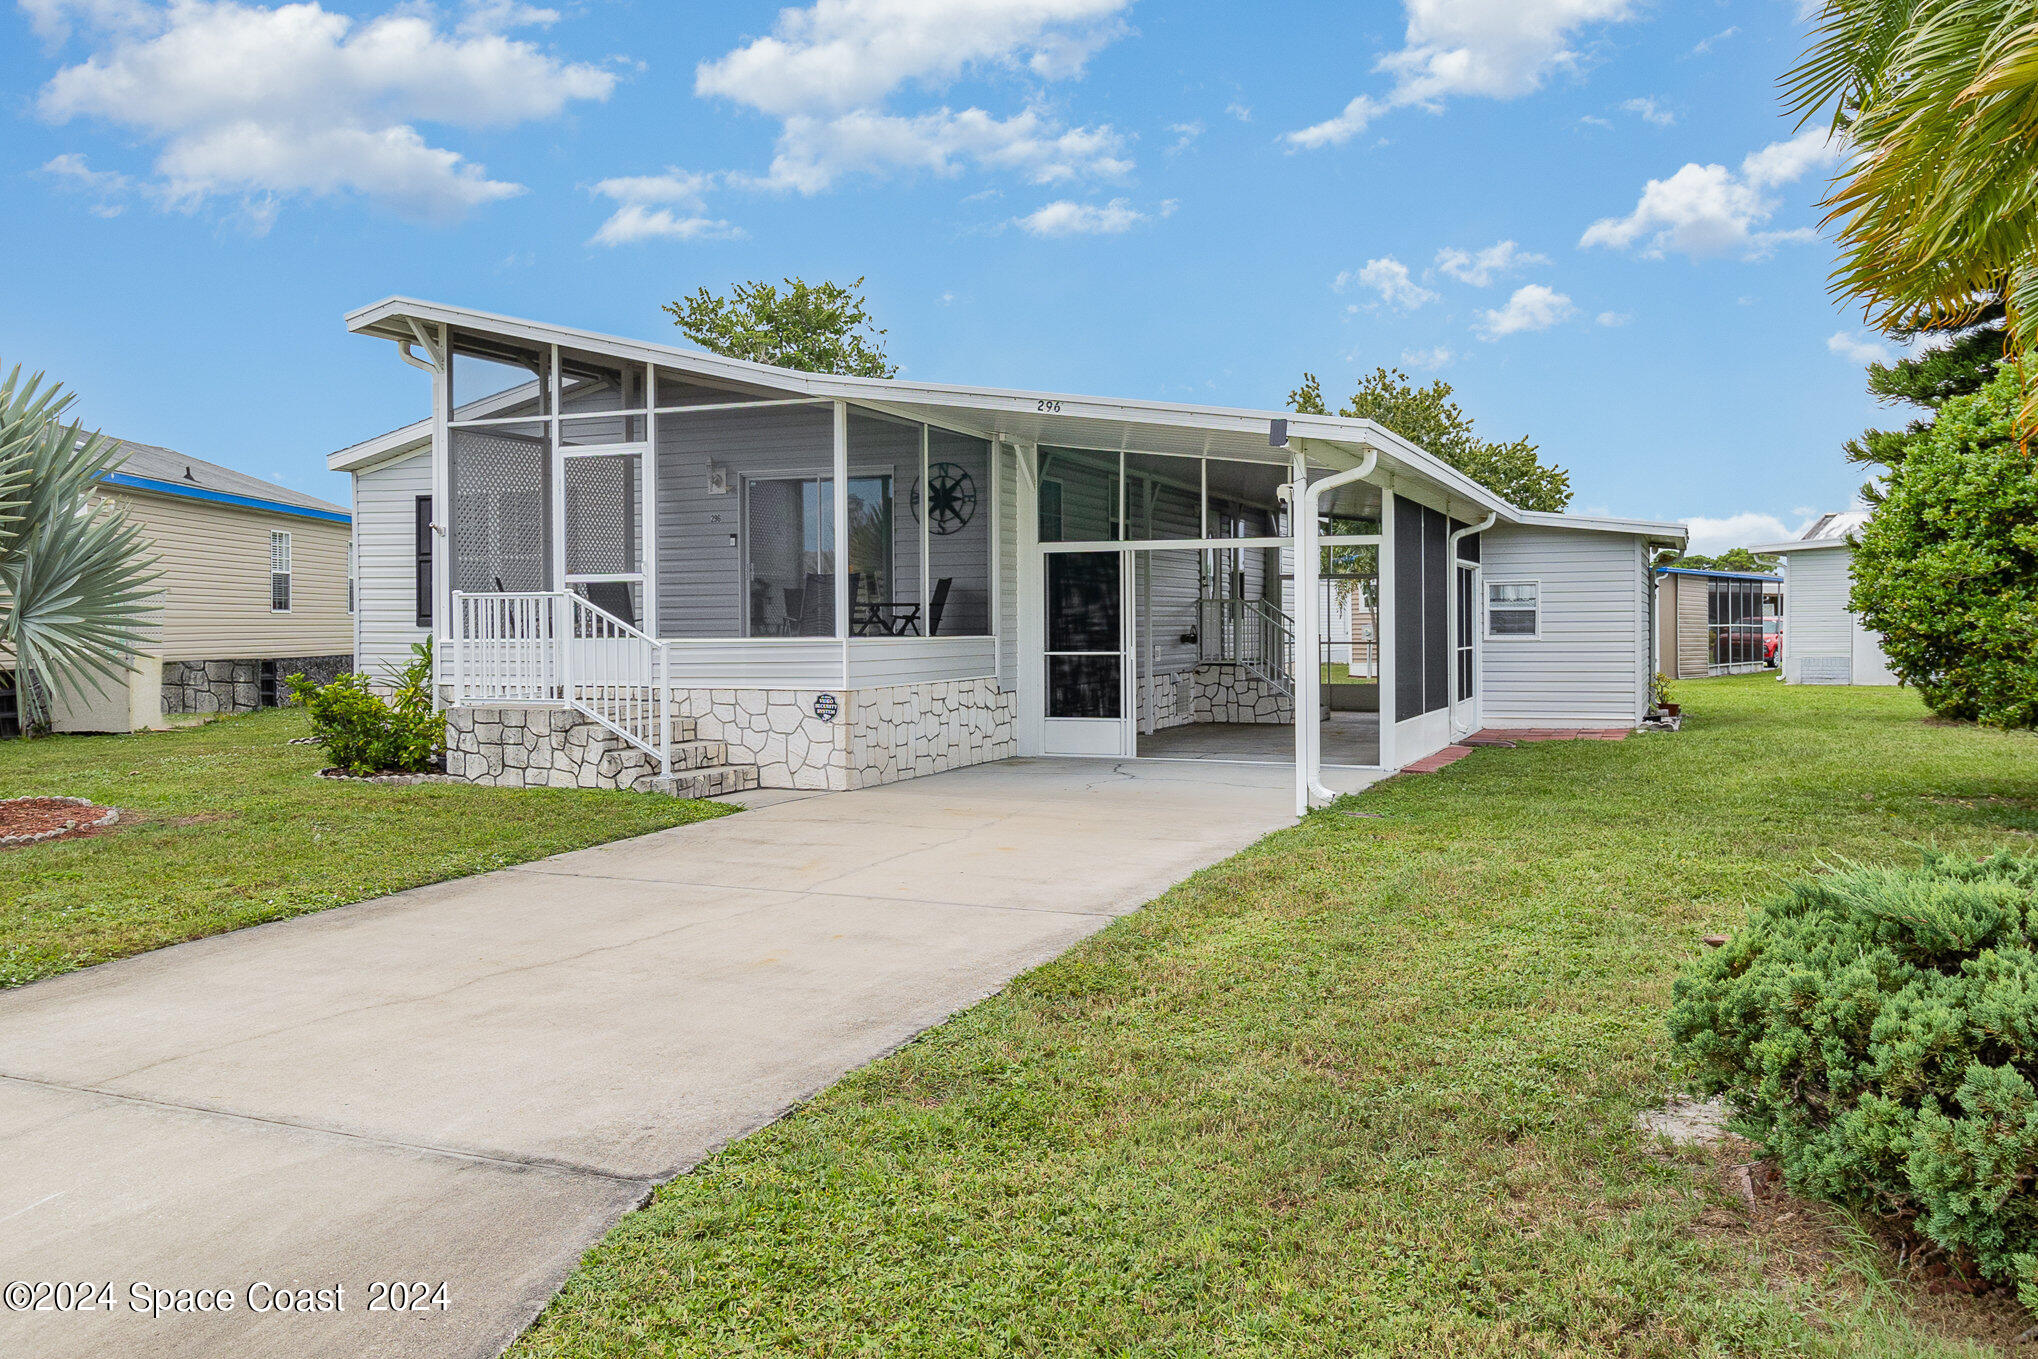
(77, 586)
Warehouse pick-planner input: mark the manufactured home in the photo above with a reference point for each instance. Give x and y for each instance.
(641, 565)
(1824, 641)
(253, 587)
(1711, 622)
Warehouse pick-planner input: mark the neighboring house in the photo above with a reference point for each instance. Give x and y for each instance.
(1823, 640)
(634, 558)
(254, 582)
(1711, 622)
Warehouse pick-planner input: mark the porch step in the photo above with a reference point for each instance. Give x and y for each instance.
(713, 781)
(683, 728)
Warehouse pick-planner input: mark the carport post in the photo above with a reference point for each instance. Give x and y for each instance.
(1304, 497)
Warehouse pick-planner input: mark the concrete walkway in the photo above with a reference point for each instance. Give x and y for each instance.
(471, 1082)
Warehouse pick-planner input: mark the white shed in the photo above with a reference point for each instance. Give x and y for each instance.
(1823, 640)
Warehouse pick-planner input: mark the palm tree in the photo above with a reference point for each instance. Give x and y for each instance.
(76, 592)
(1938, 213)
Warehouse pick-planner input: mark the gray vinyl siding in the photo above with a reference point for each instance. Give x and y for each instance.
(385, 561)
(1168, 587)
(1588, 665)
(880, 662)
(700, 572)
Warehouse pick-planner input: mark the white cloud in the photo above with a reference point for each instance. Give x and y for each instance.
(1242, 112)
(1705, 45)
(266, 104)
(670, 207)
(674, 186)
(827, 71)
(1594, 120)
(1649, 111)
(1533, 307)
(1859, 349)
(1185, 136)
(107, 189)
(1710, 537)
(1066, 218)
(1495, 49)
(813, 153)
(1614, 318)
(635, 222)
(1480, 269)
(1711, 210)
(1390, 278)
(53, 20)
(1426, 360)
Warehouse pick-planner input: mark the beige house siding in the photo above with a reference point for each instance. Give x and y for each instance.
(1694, 635)
(214, 561)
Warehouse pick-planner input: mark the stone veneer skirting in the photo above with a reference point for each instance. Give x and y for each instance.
(512, 746)
(236, 686)
(1214, 693)
(877, 735)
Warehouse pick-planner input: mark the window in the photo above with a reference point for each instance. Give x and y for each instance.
(422, 536)
(1513, 608)
(1050, 512)
(279, 572)
(350, 576)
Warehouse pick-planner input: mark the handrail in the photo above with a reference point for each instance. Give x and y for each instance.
(557, 648)
(1254, 633)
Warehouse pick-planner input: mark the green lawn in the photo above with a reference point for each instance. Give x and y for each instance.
(229, 828)
(1365, 1089)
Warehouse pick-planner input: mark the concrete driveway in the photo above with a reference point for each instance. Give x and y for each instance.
(469, 1083)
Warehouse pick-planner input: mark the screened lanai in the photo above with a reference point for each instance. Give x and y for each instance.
(701, 511)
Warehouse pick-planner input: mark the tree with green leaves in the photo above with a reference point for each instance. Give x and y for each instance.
(1946, 570)
(816, 328)
(1936, 214)
(1961, 365)
(76, 578)
(1733, 559)
(1429, 419)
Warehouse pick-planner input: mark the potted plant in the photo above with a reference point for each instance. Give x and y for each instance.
(1659, 696)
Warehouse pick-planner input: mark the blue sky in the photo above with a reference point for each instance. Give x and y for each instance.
(1590, 216)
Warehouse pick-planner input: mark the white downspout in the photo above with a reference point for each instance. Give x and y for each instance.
(1451, 556)
(1308, 674)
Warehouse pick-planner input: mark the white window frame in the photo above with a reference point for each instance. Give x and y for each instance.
(1486, 612)
(279, 550)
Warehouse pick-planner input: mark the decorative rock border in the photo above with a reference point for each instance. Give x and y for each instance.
(31, 837)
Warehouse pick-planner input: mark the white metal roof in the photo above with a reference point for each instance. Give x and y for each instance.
(1827, 531)
(991, 412)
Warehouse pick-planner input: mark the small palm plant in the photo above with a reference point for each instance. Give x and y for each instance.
(76, 578)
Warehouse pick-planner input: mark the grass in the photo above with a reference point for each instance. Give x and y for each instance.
(224, 826)
(1368, 1088)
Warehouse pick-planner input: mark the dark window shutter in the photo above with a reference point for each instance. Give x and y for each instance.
(424, 561)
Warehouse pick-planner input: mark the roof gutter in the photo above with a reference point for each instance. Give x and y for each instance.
(1308, 576)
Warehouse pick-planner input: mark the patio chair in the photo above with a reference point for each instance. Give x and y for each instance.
(936, 603)
(795, 609)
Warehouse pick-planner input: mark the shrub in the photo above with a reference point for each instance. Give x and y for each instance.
(1876, 1030)
(1947, 568)
(362, 734)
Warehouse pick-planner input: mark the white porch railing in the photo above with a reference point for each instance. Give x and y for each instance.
(554, 648)
(1251, 633)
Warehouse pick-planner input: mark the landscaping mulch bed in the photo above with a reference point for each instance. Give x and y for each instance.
(32, 820)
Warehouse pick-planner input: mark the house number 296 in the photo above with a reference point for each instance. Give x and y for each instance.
(1051, 407)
